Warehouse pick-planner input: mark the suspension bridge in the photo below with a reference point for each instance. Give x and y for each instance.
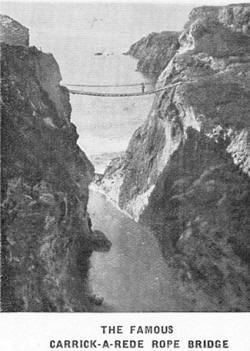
(106, 94)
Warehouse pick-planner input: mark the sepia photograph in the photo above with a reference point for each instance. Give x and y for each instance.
(125, 156)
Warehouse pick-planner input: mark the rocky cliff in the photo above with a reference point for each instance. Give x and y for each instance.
(154, 52)
(185, 174)
(12, 32)
(46, 231)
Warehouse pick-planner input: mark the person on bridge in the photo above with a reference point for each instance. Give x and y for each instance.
(142, 88)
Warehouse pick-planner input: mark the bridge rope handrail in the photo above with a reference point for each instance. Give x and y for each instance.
(108, 85)
(77, 92)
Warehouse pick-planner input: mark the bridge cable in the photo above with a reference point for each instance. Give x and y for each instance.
(108, 85)
(90, 93)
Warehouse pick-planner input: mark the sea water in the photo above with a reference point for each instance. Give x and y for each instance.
(74, 33)
(133, 276)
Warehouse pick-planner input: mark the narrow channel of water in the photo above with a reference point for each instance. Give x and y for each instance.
(133, 275)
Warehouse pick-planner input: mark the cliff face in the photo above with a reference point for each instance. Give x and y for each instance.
(154, 52)
(12, 32)
(185, 174)
(46, 232)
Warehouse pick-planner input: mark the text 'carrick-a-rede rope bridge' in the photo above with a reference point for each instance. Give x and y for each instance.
(143, 92)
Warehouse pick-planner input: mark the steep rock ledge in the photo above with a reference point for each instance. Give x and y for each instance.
(46, 231)
(154, 52)
(12, 32)
(185, 174)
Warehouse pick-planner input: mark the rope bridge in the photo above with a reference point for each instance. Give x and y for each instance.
(108, 85)
(91, 93)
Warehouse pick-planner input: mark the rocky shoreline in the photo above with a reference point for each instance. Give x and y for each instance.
(47, 239)
(185, 174)
(154, 52)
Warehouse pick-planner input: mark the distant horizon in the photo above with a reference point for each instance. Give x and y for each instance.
(166, 2)
(74, 32)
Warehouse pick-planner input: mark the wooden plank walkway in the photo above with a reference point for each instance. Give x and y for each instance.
(155, 91)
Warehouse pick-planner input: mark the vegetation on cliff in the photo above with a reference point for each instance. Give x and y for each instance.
(185, 174)
(154, 52)
(46, 231)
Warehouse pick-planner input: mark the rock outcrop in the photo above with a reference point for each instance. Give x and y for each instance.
(12, 32)
(185, 174)
(46, 231)
(154, 52)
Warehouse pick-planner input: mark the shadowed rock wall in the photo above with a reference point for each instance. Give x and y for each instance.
(46, 231)
(185, 174)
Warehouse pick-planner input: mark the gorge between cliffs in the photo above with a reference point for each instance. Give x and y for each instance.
(164, 223)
